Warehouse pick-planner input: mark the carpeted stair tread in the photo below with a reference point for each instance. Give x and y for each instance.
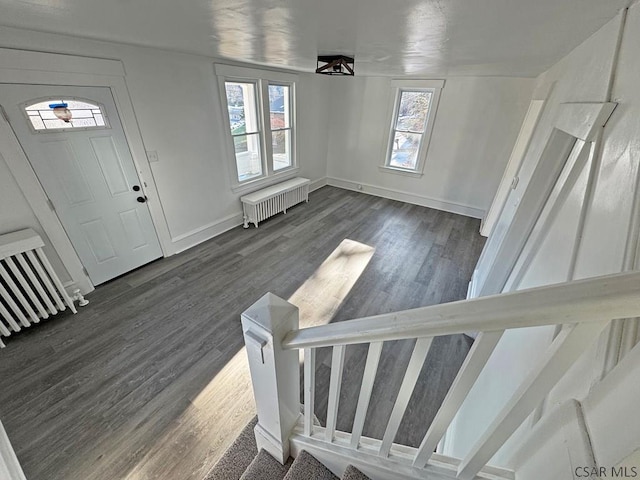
(305, 467)
(352, 473)
(265, 467)
(238, 457)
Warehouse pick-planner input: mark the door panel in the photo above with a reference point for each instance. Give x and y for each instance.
(67, 171)
(89, 176)
(111, 165)
(99, 241)
(133, 228)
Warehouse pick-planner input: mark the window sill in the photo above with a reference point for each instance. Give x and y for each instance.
(400, 171)
(253, 185)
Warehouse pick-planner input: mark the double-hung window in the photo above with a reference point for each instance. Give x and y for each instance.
(414, 107)
(280, 122)
(260, 115)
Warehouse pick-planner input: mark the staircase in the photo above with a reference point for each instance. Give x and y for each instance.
(243, 462)
(283, 443)
(274, 343)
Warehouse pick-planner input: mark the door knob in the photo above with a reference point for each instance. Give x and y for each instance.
(136, 188)
(141, 199)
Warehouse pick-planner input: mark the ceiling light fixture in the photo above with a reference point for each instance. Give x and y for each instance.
(335, 65)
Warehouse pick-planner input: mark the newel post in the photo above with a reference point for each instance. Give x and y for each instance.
(275, 373)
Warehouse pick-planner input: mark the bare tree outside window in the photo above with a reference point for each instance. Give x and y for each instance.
(410, 124)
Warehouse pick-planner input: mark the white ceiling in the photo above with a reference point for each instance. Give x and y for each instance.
(387, 37)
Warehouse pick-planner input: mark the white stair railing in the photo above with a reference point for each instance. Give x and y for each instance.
(273, 341)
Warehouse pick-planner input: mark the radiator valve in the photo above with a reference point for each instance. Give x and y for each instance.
(78, 297)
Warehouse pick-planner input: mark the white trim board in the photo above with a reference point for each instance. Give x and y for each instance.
(10, 468)
(583, 120)
(526, 202)
(316, 184)
(412, 198)
(398, 87)
(581, 156)
(16, 160)
(336, 456)
(199, 235)
(510, 176)
(14, 63)
(57, 69)
(559, 439)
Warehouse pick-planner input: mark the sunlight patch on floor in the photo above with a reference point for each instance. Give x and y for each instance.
(218, 413)
(207, 427)
(322, 294)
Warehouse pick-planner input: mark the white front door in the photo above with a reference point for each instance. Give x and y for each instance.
(87, 171)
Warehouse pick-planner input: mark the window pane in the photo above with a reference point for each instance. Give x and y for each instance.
(82, 114)
(281, 140)
(37, 122)
(241, 102)
(404, 151)
(412, 114)
(83, 122)
(58, 114)
(248, 160)
(280, 112)
(56, 124)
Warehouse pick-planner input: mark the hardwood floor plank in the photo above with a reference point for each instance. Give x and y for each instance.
(150, 380)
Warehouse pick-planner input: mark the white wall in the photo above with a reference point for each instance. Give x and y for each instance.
(16, 214)
(342, 132)
(476, 125)
(177, 105)
(608, 240)
(583, 76)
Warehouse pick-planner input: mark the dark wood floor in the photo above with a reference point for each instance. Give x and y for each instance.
(150, 380)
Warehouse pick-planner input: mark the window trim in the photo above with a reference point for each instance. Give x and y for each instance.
(399, 86)
(262, 79)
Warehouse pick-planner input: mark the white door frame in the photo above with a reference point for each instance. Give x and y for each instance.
(17, 66)
(510, 176)
(574, 121)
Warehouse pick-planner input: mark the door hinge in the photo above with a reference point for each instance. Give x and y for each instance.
(84, 270)
(51, 205)
(4, 114)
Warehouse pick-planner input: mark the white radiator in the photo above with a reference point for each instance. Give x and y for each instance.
(29, 288)
(274, 199)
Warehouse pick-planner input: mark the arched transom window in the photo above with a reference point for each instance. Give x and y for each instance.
(66, 114)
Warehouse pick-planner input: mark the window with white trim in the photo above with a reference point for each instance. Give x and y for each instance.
(260, 115)
(414, 107)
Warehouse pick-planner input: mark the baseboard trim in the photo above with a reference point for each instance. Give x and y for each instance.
(316, 184)
(412, 198)
(206, 232)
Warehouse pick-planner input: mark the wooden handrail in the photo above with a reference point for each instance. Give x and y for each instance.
(594, 299)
